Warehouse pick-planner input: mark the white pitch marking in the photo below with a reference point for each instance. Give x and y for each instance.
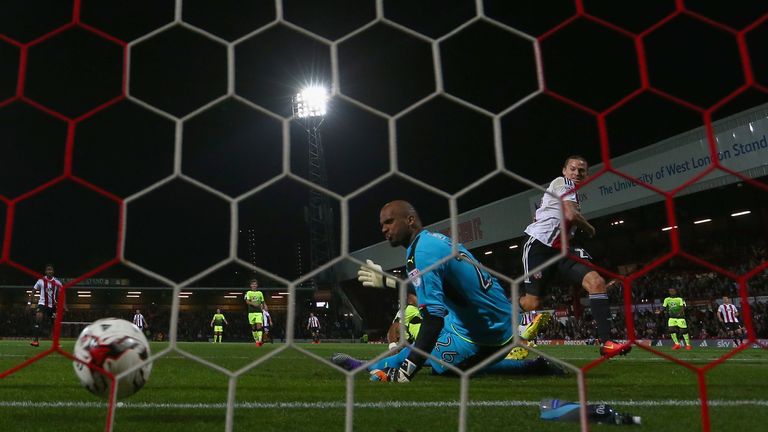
(371, 405)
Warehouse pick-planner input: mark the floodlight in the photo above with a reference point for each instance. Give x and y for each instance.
(311, 102)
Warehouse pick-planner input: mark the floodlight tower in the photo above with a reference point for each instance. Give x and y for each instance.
(309, 107)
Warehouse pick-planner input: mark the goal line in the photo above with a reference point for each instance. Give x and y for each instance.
(370, 405)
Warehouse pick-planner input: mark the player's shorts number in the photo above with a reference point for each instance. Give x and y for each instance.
(446, 356)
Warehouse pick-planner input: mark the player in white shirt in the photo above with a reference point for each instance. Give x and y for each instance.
(48, 287)
(313, 325)
(139, 321)
(728, 315)
(544, 243)
(267, 327)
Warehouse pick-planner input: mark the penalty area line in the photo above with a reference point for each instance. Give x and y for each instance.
(369, 405)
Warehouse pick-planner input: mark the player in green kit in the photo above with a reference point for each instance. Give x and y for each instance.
(217, 322)
(255, 300)
(675, 307)
(412, 322)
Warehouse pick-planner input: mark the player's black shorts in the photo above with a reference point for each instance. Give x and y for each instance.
(536, 253)
(46, 311)
(732, 326)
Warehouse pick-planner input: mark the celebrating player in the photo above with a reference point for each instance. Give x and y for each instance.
(466, 316)
(675, 307)
(255, 301)
(48, 287)
(544, 243)
(217, 322)
(728, 315)
(313, 325)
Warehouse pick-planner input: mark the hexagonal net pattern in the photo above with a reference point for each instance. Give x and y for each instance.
(132, 82)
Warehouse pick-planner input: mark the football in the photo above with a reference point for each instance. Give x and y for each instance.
(116, 346)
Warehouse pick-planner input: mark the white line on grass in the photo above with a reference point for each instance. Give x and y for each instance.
(373, 405)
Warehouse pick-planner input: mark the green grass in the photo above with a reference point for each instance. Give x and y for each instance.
(291, 376)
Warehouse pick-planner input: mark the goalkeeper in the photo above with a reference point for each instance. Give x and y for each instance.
(675, 307)
(412, 324)
(466, 317)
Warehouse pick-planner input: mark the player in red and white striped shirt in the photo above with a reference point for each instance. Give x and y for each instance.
(48, 287)
(728, 314)
(560, 209)
(139, 320)
(313, 325)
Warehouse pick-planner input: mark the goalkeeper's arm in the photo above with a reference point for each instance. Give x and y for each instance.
(431, 327)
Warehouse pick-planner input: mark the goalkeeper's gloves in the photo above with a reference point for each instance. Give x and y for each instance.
(371, 275)
(402, 374)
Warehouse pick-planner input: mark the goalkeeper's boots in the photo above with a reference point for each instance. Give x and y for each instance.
(345, 361)
(538, 323)
(517, 353)
(35, 343)
(688, 347)
(676, 346)
(610, 349)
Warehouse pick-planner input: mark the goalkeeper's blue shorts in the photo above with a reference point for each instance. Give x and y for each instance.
(450, 349)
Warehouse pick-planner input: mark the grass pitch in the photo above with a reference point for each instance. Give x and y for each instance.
(292, 391)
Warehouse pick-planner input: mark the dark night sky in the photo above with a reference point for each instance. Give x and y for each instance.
(52, 131)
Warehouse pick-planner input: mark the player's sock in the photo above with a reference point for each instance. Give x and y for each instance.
(258, 335)
(391, 361)
(674, 338)
(687, 338)
(601, 312)
(346, 361)
(255, 336)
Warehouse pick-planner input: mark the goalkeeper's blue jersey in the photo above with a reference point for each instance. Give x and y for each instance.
(470, 299)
